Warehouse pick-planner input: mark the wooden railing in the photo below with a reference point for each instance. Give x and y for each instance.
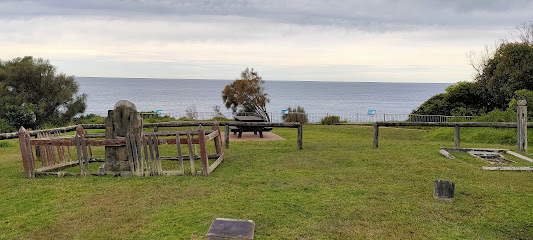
(146, 144)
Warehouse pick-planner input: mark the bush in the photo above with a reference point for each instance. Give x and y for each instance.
(329, 120)
(296, 114)
(5, 127)
(89, 119)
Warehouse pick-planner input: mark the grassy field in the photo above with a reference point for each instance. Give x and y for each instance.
(337, 187)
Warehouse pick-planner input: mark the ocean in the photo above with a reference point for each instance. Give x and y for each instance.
(174, 96)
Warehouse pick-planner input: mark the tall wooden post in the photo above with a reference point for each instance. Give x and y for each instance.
(203, 151)
(457, 137)
(376, 136)
(226, 136)
(27, 154)
(521, 126)
(300, 136)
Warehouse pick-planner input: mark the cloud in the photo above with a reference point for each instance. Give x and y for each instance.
(298, 39)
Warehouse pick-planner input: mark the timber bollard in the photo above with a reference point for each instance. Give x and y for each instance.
(457, 137)
(300, 135)
(376, 135)
(226, 136)
(521, 126)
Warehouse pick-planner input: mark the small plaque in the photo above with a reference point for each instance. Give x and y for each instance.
(371, 112)
(225, 228)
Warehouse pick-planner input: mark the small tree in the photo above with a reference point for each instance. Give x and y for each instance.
(246, 94)
(32, 93)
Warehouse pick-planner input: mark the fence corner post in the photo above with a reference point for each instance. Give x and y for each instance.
(203, 151)
(28, 161)
(226, 136)
(457, 137)
(521, 126)
(300, 136)
(376, 135)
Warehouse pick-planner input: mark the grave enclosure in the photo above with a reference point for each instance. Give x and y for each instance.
(128, 150)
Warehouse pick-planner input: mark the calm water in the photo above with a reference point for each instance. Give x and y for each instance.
(175, 95)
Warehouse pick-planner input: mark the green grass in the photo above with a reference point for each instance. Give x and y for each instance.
(337, 187)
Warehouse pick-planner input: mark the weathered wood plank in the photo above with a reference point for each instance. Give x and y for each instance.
(27, 153)
(520, 156)
(180, 155)
(446, 154)
(508, 168)
(521, 127)
(216, 163)
(203, 151)
(57, 166)
(457, 137)
(146, 159)
(300, 137)
(226, 136)
(376, 135)
(211, 135)
(191, 154)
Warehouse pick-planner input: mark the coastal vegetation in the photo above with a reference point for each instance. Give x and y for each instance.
(295, 114)
(34, 94)
(503, 75)
(247, 94)
(336, 187)
(329, 120)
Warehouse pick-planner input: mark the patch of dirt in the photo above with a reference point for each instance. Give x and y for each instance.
(249, 136)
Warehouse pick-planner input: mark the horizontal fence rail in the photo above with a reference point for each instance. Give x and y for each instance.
(317, 117)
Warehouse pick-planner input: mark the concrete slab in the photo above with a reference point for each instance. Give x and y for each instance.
(225, 228)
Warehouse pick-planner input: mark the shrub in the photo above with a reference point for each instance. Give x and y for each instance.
(89, 119)
(329, 120)
(296, 114)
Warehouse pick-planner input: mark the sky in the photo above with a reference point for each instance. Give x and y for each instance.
(322, 40)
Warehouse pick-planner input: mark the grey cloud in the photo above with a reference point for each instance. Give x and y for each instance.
(381, 15)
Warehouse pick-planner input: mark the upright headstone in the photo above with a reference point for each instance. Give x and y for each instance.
(521, 126)
(123, 119)
(444, 190)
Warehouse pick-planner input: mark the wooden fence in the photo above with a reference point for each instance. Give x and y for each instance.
(521, 133)
(147, 143)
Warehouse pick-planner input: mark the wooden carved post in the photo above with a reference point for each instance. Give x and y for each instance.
(521, 126)
(27, 154)
(203, 151)
(456, 137)
(226, 136)
(376, 135)
(300, 135)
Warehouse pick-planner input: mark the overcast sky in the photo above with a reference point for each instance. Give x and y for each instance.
(383, 40)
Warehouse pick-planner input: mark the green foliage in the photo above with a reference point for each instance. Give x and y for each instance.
(220, 119)
(5, 127)
(499, 77)
(32, 93)
(89, 119)
(296, 114)
(460, 99)
(330, 120)
(5, 144)
(247, 94)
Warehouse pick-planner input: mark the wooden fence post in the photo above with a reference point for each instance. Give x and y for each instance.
(300, 136)
(203, 151)
(457, 137)
(226, 136)
(521, 126)
(27, 154)
(376, 135)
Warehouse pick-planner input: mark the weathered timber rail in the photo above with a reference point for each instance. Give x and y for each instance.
(457, 126)
(147, 143)
(156, 126)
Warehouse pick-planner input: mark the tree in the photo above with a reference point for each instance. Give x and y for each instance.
(32, 93)
(246, 94)
(500, 72)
